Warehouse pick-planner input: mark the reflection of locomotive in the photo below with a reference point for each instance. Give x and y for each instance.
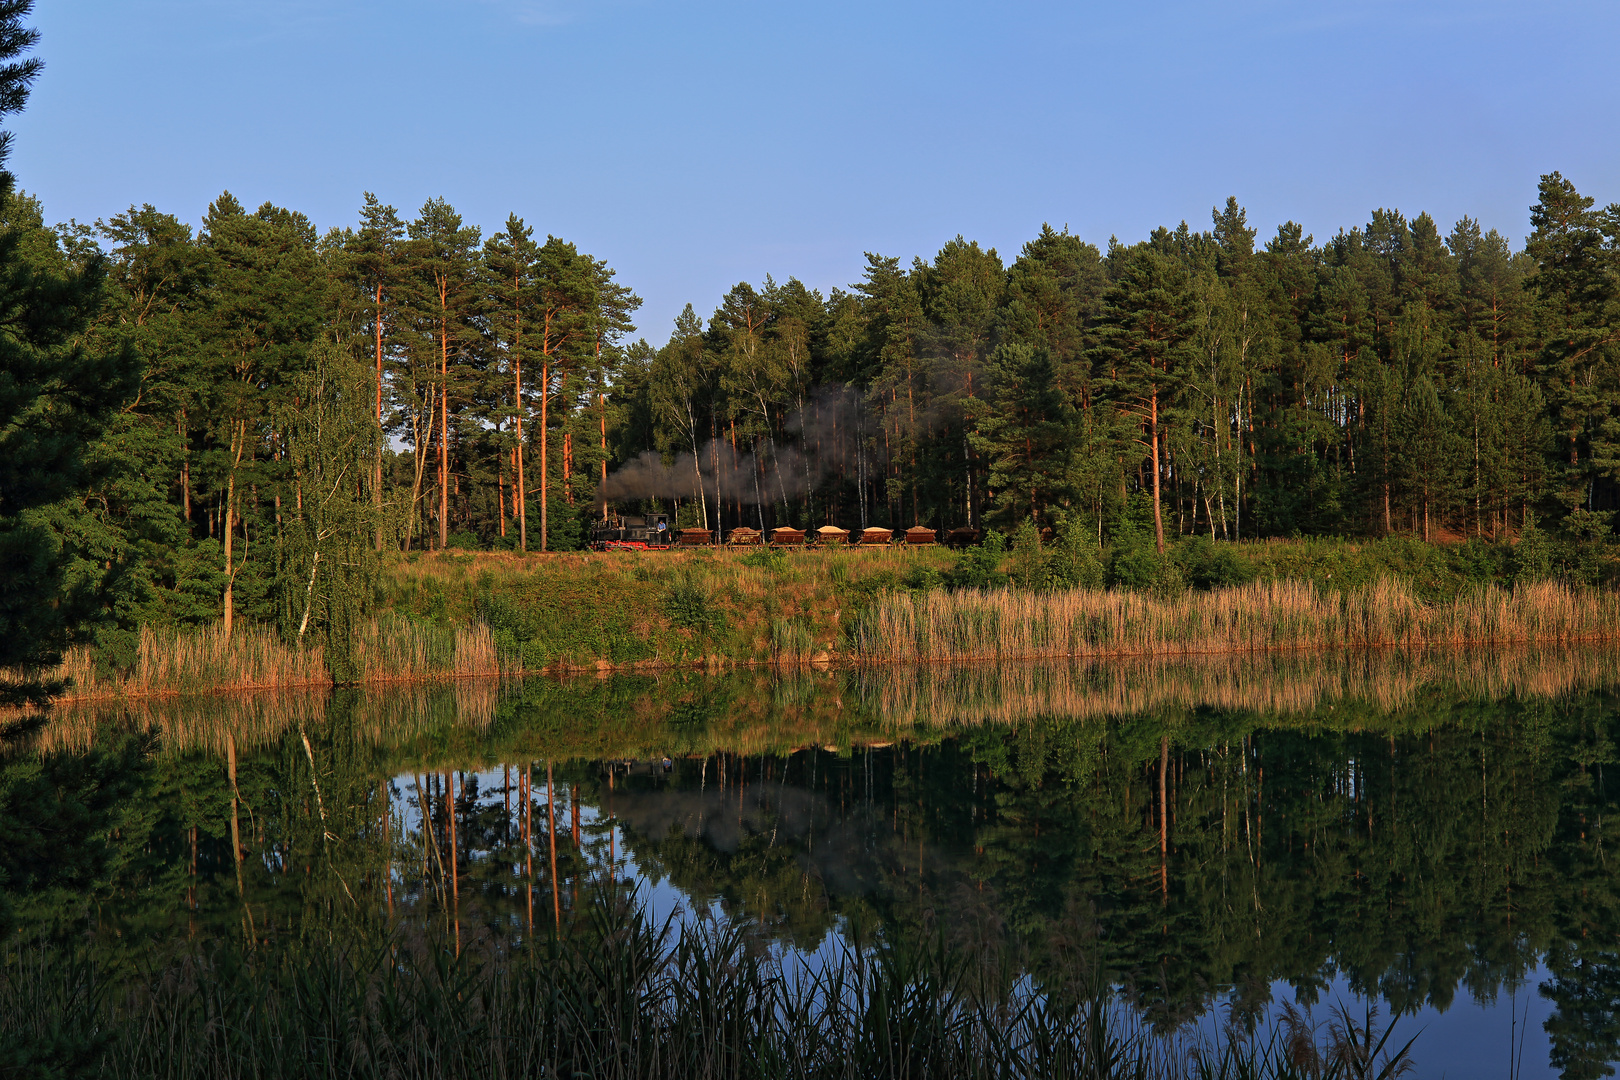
(630, 531)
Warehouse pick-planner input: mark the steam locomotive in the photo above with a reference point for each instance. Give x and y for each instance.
(629, 532)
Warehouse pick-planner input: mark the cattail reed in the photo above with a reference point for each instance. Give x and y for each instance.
(1004, 625)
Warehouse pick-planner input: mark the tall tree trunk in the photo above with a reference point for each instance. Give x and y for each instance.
(382, 435)
(545, 438)
(568, 467)
(444, 431)
(517, 403)
(1158, 515)
(238, 441)
(424, 444)
(601, 403)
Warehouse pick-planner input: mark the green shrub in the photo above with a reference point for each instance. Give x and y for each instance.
(1073, 562)
(1533, 555)
(979, 567)
(1206, 564)
(688, 604)
(768, 558)
(923, 578)
(1133, 567)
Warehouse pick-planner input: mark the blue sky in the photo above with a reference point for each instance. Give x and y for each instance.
(693, 145)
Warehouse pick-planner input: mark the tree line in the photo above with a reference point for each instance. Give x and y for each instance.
(1391, 379)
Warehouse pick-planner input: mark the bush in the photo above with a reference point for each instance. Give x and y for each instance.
(1028, 561)
(687, 603)
(768, 558)
(1073, 564)
(979, 567)
(923, 578)
(1206, 564)
(1533, 555)
(1133, 567)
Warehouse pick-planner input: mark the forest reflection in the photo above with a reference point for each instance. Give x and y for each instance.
(1419, 826)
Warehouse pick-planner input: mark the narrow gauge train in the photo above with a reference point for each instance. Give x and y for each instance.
(630, 532)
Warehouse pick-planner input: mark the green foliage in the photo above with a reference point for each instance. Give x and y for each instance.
(979, 567)
(688, 604)
(766, 558)
(578, 621)
(1204, 564)
(328, 556)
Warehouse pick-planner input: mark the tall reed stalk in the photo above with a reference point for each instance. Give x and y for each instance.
(1286, 615)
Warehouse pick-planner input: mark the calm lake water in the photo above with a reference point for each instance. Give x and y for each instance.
(1222, 842)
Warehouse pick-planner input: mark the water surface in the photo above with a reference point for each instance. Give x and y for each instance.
(1215, 842)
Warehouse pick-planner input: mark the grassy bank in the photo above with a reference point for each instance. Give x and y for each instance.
(453, 615)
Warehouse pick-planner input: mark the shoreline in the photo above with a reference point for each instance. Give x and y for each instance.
(836, 663)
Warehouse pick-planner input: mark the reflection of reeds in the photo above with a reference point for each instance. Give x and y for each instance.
(614, 991)
(755, 713)
(1273, 616)
(388, 717)
(1270, 684)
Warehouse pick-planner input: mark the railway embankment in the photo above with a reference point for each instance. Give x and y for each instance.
(450, 615)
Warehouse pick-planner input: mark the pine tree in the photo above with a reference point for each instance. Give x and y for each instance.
(1141, 363)
(1580, 316)
(1027, 435)
(445, 303)
(376, 268)
(270, 302)
(566, 295)
(56, 395)
(509, 261)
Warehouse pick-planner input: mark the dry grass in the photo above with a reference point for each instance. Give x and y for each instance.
(1003, 625)
(170, 661)
(399, 650)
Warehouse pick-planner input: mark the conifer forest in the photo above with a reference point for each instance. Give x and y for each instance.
(413, 382)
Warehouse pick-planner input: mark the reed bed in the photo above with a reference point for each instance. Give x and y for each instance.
(1001, 625)
(394, 650)
(170, 661)
(173, 661)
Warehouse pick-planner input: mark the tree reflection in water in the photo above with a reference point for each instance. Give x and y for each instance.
(1412, 826)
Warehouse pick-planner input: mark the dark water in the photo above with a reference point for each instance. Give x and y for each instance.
(1220, 843)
